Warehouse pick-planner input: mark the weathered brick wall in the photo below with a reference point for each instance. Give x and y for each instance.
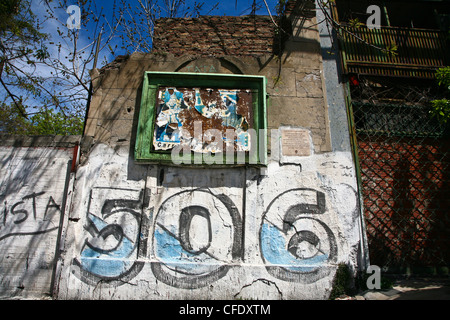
(215, 36)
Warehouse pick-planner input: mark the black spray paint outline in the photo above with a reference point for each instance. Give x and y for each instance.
(292, 215)
(130, 206)
(186, 216)
(25, 214)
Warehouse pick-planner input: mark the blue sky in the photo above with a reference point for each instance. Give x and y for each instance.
(229, 8)
(60, 45)
(86, 35)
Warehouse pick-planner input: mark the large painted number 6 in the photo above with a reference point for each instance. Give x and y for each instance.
(295, 245)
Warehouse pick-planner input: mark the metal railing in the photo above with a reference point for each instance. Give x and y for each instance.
(406, 52)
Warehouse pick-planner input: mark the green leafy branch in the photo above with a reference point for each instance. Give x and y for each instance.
(440, 108)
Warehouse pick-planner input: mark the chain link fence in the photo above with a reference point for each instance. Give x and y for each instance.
(404, 163)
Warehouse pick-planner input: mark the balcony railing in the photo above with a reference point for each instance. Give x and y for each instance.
(414, 52)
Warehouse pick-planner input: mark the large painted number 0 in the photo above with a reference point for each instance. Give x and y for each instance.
(197, 237)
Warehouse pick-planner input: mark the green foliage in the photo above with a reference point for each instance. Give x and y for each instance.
(11, 121)
(23, 52)
(440, 108)
(355, 23)
(341, 282)
(21, 43)
(443, 76)
(48, 121)
(45, 122)
(18, 26)
(392, 49)
(13, 18)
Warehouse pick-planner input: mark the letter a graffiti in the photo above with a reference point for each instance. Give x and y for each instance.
(374, 281)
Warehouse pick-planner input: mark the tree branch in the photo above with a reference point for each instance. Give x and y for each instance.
(13, 97)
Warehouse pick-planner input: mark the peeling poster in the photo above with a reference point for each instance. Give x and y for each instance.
(203, 119)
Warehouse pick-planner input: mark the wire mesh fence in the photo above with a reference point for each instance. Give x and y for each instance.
(404, 162)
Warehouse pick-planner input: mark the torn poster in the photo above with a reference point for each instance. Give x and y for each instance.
(203, 119)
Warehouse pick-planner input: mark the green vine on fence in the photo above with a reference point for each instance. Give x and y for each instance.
(440, 108)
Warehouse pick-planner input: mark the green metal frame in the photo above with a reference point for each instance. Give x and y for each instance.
(154, 80)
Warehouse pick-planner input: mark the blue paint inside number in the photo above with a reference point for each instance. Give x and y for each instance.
(111, 264)
(169, 251)
(274, 249)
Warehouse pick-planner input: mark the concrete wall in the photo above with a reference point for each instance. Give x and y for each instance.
(149, 231)
(125, 237)
(34, 186)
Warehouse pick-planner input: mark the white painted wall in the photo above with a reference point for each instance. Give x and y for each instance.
(157, 232)
(32, 194)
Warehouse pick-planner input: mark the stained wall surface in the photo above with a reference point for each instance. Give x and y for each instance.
(34, 186)
(135, 230)
(151, 231)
